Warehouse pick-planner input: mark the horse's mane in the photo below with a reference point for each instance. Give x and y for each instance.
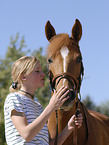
(56, 42)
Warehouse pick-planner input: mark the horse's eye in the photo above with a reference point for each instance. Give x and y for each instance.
(78, 59)
(50, 60)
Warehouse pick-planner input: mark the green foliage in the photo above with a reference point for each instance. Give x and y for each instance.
(14, 52)
(2, 134)
(89, 103)
(15, 48)
(103, 108)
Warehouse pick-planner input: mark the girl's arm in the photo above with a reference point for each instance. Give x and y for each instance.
(28, 131)
(68, 129)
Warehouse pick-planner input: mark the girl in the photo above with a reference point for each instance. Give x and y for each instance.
(25, 119)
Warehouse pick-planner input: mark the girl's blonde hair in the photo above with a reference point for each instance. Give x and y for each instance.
(23, 65)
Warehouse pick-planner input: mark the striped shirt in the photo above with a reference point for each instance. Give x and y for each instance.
(32, 109)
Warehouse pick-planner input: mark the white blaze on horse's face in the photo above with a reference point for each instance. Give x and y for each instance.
(64, 52)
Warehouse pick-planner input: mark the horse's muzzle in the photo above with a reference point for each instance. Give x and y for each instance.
(69, 103)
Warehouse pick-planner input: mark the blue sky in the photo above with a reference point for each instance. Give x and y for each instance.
(28, 17)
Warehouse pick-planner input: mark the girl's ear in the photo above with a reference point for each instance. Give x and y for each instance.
(23, 77)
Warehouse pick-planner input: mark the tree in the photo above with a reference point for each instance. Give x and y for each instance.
(103, 108)
(90, 105)
(14, 52)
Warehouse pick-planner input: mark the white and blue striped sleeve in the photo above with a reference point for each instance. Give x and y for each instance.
(13, 102)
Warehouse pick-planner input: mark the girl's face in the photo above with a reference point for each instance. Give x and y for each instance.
(36, 78)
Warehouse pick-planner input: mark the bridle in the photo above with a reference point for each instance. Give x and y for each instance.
(73, 81)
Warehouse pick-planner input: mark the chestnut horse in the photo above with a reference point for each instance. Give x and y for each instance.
(66, 68)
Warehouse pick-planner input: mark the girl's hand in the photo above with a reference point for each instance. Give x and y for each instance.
(75, 121)
(59, 97)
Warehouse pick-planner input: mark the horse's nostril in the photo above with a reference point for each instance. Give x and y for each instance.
(71, 95)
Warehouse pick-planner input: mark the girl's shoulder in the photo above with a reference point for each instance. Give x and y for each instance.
(12, 97)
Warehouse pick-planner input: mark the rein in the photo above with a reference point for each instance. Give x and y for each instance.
(77, 111)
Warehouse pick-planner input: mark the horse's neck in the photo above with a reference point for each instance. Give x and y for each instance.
(63, 118)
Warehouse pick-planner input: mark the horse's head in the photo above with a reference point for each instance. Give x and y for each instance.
(65, 60)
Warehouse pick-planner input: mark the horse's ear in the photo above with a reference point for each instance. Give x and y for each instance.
(77, 31)
(49, 31)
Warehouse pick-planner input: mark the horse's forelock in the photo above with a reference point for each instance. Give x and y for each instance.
(57, 42)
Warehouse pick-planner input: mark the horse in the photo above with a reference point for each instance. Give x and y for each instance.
(66, 68)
